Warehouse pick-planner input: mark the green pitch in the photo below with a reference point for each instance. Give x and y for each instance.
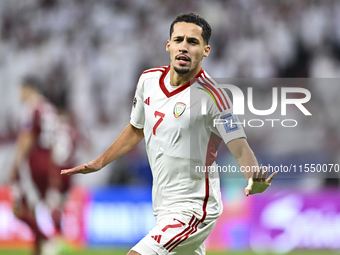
(113, 252)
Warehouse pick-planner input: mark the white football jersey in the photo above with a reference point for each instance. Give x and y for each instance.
(181, 139)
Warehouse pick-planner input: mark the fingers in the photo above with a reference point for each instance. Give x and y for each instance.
(257, 175)
(82, 169)
(258, 183)
(67, 172)
(246, 192)
(260, 175)
(264, 173)
(271, 177)
(249, 187)
(75, 170)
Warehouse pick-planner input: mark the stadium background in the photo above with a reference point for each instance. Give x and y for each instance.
(94, 52)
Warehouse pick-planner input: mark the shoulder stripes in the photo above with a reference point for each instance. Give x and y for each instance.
(151, 70)
(155, 69)
(219, 96)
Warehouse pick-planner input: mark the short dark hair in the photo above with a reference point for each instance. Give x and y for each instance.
(194, 18)
(32, 82)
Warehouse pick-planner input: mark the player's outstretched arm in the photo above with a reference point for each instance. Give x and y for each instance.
(128, 139)
(256, 176)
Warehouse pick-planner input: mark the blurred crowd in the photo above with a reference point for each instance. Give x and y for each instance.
(94, 51)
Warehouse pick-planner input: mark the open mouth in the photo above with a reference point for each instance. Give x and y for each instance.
(183, 59)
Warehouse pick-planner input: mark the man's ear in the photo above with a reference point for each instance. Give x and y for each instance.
(207, 49)
(168, 45)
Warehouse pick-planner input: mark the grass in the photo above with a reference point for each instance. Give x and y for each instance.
(123, 252)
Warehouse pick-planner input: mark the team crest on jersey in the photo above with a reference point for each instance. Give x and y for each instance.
(179, 109)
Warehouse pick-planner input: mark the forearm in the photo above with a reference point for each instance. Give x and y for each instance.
(23, 147)
(248, 162)
(128, 139)
(249, 165)
(244, 155)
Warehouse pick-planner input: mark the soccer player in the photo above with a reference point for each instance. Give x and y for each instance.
(179, 137)
(34, 146)
(65, 142)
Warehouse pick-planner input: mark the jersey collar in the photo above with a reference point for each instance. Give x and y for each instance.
(176, 91)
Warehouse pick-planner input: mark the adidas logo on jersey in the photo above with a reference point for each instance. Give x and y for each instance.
(134, 102)
(147, 101)
(157, 238)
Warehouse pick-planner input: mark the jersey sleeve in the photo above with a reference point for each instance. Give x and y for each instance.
(137, 117)
(224, 123)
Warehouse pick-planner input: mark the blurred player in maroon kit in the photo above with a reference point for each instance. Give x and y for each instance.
(66, 138)
(46, 141)
(33, 146)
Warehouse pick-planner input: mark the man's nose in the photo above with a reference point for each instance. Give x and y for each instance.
(183, 47)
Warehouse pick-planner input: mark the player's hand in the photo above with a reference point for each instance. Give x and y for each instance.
(258, 183)
(90, 167)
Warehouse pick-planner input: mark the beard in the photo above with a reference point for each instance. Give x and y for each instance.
(182, 70)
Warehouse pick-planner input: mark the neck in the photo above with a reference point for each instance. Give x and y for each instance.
(177, 79)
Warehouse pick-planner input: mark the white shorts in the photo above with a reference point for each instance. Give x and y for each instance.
(176, 234)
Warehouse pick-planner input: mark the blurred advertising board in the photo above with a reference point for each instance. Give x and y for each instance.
(287, 220)
(119, 215)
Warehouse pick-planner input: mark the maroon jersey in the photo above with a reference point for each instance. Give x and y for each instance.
(40, 121)
(64, 149)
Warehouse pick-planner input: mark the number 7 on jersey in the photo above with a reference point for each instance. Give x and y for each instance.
(161, 115)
